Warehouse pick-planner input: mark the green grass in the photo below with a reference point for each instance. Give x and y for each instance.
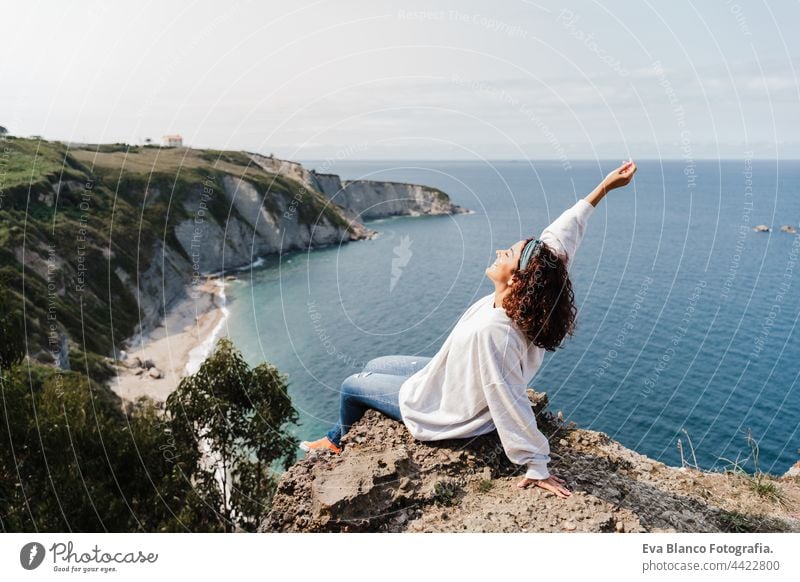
(759, 482)
(30, 162)
(734, 522)
(445, 493)
(217, 156)
(768, 489)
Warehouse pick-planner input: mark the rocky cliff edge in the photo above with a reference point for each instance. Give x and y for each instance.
(386, 481)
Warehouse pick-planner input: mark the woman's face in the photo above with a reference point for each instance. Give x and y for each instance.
(506, 263)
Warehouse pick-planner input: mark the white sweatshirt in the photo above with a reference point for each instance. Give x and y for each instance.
(477, 381)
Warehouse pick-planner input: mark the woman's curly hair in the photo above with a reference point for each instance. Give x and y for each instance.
(541, 301)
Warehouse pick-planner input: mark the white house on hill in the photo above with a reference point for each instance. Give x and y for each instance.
(172, 141)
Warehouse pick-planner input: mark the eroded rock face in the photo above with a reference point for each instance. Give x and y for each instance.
(386, 481)
(263, 224)
(370, 199)
(255, 229)
(353, 490)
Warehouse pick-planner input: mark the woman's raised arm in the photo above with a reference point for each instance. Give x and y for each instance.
(616, 179)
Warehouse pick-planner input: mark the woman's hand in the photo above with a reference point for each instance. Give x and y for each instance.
(552, 483)
(621, 176)
(616, 179)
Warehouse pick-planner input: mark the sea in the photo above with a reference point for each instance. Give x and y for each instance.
(686, 347)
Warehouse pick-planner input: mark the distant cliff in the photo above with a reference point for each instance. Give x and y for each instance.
(386, 481)
(369, 199)
(109, 236)
(366, 199)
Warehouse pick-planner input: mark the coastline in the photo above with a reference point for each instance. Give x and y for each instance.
(199, 353)
(155, 361)
(177, 346)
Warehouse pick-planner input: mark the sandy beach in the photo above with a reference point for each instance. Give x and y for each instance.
(177, 346)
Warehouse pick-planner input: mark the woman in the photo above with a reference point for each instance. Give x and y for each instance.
(477, 381)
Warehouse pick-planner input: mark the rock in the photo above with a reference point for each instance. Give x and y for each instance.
(135, 362)
(386, 481)
(123, 355)
(761, 228)
(147, 364)
(357, 490)
(370, 199)
(138, 371)
(154, 373)
(788, 228)
(794, 470)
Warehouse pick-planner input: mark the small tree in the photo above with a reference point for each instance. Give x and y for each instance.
(71, 460)
(236, 415)
(3, 131)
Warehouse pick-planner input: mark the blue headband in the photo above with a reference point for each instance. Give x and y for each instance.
(530, 251)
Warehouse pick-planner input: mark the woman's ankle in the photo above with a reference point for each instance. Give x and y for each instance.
(334, 437)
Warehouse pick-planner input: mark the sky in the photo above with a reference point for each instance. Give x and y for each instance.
(410, 80)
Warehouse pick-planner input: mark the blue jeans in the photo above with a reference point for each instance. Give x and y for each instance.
(376, 386)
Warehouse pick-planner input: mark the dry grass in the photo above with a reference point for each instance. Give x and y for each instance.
(759, 482)
(163, 160)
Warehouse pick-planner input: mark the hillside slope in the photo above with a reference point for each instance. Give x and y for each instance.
(99, 241)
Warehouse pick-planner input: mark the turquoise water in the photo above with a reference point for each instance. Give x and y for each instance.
(686, 319)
